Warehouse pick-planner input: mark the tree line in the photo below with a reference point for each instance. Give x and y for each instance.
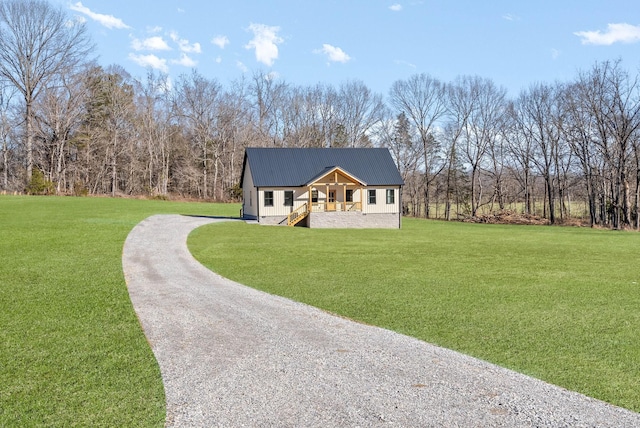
(558, 150)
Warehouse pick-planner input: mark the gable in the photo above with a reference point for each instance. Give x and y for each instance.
(297, 167)
(335, 175)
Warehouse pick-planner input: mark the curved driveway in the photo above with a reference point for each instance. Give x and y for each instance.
(232, 356)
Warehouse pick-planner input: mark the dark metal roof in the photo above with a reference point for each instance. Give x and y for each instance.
(295, 167)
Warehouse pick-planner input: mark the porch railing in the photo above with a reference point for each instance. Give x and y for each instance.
(335, 206)
(297, 215)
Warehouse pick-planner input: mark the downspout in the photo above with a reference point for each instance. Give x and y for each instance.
(258, 204)
(400, 207)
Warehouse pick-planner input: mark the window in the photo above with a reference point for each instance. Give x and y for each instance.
(268, 198)
(391, 196)
(372, 196)
(349, 195)
(288, 198)
(314, 196)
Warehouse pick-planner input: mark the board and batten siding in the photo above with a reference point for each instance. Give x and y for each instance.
(381, 206)
(250, 197)
(300, 197)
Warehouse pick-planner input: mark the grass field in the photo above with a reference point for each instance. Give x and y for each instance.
(559, 304)
(72, 351)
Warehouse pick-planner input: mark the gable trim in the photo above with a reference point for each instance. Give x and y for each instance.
(332, 170)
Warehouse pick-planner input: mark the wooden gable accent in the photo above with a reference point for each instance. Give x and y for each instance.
(336, 176)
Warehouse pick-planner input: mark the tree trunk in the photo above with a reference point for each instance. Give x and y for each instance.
(59, 167)
(29, 126)
(550, 200)
(5, 164)
(204, 174)
(626, 200)
(114, 169)
(474, 201)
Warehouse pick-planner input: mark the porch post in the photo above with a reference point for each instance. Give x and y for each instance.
(344, 197)
(326, 199)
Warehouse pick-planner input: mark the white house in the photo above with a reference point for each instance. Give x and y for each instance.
(314, 187)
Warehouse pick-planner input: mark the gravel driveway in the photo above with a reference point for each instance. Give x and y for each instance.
(232, 356)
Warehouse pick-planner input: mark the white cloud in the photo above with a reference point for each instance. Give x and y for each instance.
(265, 42)
(510, 17)
(150, 61)
(155, 43)
(624, 33)
(334, 54)
(185, 61)
(218, 60)
(396, 7)
(154, 30)
(184, 44)
(220, 41)
(242, 67)
(108, 21)
(405, 63)
(555, 53)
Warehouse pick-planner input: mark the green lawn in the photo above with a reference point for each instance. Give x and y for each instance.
(559, 304)
(72, 351)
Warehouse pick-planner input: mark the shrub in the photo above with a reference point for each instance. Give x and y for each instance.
(38, 185)
(79, 189)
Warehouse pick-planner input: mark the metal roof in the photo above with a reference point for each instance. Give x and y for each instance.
(295, 167)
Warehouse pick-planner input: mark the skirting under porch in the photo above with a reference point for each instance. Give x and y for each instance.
(340, 220)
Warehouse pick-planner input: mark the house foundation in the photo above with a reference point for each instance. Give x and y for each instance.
(355, 220)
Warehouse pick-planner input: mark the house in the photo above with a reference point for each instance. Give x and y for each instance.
(322, 188)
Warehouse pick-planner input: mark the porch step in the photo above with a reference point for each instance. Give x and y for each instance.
(297, 215)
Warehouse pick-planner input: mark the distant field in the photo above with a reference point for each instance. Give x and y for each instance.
(72, 351)
(577, 211)
(559, 304)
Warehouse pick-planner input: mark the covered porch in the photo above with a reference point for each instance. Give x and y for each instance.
(334, 190)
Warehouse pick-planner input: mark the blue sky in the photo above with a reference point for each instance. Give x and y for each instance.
(514, 43)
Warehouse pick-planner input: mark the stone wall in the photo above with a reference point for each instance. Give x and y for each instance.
(352, 220)
(273, 220)
(342, 220)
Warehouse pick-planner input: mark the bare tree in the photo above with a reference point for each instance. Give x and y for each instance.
(37, 43)
(60, 112)
(538, 121)
(154, 115)
(477, 109)
(455, 181)
(108, 130)
(197, 104)
(579, 131)
(234, 133)
(520, 154)
(422, 99)
(358, 111)
(605, 112)
(5, 132)
(302, 122)
(269, 96)
(394, 133)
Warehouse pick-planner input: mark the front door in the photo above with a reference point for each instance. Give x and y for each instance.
(331, 200)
